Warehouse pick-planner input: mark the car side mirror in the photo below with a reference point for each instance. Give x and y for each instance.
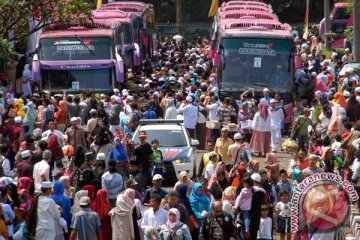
(194, 142)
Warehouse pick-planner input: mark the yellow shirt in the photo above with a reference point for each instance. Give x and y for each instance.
(221, 147)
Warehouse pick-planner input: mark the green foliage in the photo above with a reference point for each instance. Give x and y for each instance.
(5, 50)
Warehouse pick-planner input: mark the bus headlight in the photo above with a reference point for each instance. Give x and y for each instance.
(182, 160)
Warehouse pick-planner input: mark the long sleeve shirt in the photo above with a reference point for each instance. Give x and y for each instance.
(190, 113)
(112, 183)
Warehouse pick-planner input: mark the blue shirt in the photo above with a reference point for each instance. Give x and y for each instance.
(149, 114)
(86, 223)
(112, 183)
(266, 100)
(118, 153)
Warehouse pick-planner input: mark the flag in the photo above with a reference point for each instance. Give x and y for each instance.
(306, 23)
(99, 3)
(213, 8)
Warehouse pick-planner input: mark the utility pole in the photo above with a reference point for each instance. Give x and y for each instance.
(356, 30)
(327, 22)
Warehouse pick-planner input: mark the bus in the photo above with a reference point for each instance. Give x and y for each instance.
(252, 53)
(244, 3)
(74, 58)
(144, 25)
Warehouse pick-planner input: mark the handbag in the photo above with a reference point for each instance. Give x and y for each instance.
(192, 223)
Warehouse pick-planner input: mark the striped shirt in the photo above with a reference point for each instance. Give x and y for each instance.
(86, 223)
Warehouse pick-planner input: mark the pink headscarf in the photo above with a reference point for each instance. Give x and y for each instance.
(262, 109)
(213, 177)
(130, 193)
(177, 213)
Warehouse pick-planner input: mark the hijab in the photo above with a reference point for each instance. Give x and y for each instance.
(177, 213)
(296, 175)
(76, 207)
(242, 170)
(229, 195)
(53, 145)
(181, 190)
(24, 183)
(123, 206)
(61, 200)
(340, 99)
(91, 191)
(214, 176)
(194, 198)
(263, 111)
(130, 193)
(101, 204)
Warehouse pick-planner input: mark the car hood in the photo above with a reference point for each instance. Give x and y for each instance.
(171, 154)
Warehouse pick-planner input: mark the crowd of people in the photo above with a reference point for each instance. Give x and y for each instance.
(70, 169)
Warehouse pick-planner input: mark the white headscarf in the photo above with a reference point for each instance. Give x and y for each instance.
(123, 206)
(177, 213)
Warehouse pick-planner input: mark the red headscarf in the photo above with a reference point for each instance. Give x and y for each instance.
(53, 144)
(242, 170)
(263, 111)
(24, 183)
(91, 191)
(101, 204)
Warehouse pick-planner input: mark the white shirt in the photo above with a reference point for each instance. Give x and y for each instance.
(7, 169)
(41, 168)
(47, 212)
(171, 112)
(259, 124)
(276, 117)
(152, 220)
(190, 113)
(2, 112)
(265, 228)
(210, 168)
(57, 133)
(212, 111)
(9, 215)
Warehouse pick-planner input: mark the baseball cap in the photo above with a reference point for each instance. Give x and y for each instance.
(157, 177)
(266, 90)
(84, 201)
(131, 182)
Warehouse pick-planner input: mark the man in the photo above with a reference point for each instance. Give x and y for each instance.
(47, 213)
(331, 161)
(213, 107)
(172, 202)
(25, 167)
(135, 117)
(156, 189)
(266, 99)
(114, 113)
(119, 155)
(47, 114)
(42, 171)
(276, 118)
(91, 123)
(76, 136)
(148, 112)
(153, 217)
(52, 130)
(85, 224)
(143, 154)
(87, 173)
(131, 183)
(137, 175)
(206, 157)
(312, 169)
(217, 224)
(237, 148)
(190, 113)
(222, 145)
(300, 130)
(112, 182)
(226, 113)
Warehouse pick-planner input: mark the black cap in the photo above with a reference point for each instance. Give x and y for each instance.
(89, 156)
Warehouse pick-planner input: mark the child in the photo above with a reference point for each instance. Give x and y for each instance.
(157, 158)
(243, 201)
(284, 183)
(265, 227)
(282, 210)
(293, 163)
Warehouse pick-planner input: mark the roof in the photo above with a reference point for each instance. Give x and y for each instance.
(253, 3)
(129, 6)
(244, 7)
(247, 14)
(80, 33)
(343, 5)
(162, 126)
(256, 24)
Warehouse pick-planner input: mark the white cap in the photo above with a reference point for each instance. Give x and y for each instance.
(357, 90)
(266, 90)
(346, 93)
(130, 98)
(18, 119)
(157, 177)
(116, 90)
(117, 99)
(256, 177)
(347, 50)
(333, 54)
(172, 78)
(46, 185)
(125, 94)
(273, 101)
(124, 91)
(102, 95)
(73, 119)
(212, 154)
(237, 136)
(313, 74)
(25, 154)
(157, 94)
(100, 156)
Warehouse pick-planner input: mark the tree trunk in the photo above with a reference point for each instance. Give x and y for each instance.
(180, 12)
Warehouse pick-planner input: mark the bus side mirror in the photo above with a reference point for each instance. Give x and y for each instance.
(217, 60)
(35, 71)
(119, 68)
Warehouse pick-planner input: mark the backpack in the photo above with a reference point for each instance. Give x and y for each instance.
(136, 121)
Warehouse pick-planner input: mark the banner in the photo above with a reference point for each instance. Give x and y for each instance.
(213, 8)
(306, 23)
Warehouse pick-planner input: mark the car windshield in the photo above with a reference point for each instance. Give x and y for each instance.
(257, 63)
(166, 137)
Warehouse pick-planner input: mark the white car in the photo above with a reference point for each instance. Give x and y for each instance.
(177, 148)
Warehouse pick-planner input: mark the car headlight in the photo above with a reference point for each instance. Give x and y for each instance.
(182, 160)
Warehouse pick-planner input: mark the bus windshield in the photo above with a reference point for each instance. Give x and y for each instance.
(257, 63)
(75, 48)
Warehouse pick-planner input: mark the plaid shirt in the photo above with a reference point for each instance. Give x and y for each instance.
(224, 113)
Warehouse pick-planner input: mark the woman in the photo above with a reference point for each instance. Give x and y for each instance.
(339, 99)
(237, 174)
(183, 178)
(63, 201)
(26, 80)
(219, 166)
(91, 193)
(136, 215)
(228, 200)
(12, 195)
(261, 136)
(61, 116)
(75, 164)
(174, 229)
(324, 120)
(199, 202)
(244, 115)
(182, 190)
(335, 124)
(352, 109)
(76, 207)
(121, 219)
(219, 186)
(102, 207)
(54, 147)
